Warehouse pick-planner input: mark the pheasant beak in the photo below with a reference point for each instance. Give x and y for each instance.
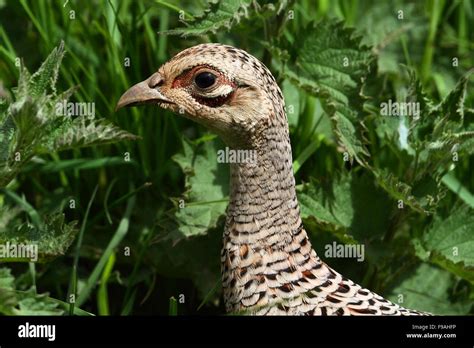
(145, 92)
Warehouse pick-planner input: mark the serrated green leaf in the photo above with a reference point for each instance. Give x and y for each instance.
(453, 237)
(23, 82)
(82, 132)
(352, 208)
(441, 126)
(329, 206)
(32, 125)
(7, 281)
(7, 215)
(3, 109)
(13, 302)
(52, 239)
(428, 288)
(404, 193)
(386, 32)
(347, 136)
(7, 133)
(457, 268)
(37, 304)
(332, 65)
(220, 15)
(205, 199)
(452, 107)
(8, 300)
(438, 139)
(44, 79)
(29, 119)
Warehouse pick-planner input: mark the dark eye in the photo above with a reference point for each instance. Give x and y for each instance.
(205, 79)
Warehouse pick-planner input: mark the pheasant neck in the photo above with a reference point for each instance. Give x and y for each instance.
(263, 235)
(263, 209)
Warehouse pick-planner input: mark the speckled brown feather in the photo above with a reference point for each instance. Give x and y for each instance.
(268, 264)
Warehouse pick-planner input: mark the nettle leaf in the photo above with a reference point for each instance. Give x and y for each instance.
(52, 238)
(449, 242)
(33, 123)
(8, 300)
(329, 206)
(435, 139)
(332, 65)
(7, 132)
(44, 79)
(405, 128)
(24, 79)
(351, 207)
(14, 302)
(440, 126)
(457, 268)
(220, 15)
(452, 107)
(205, 198)
(441, 136)
(7, 215)
(29, 117)
(3, 109)
(7, 281)
(404, 194)
(467, 146)
(428, 288)
(416, 93)
(37, 304)
(383, 29)
(82, 132)
(347, 136)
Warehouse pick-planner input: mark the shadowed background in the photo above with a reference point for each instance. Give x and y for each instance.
(175, 190)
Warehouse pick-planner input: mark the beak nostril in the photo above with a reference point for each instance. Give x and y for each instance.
(156, 80)
(144, 92)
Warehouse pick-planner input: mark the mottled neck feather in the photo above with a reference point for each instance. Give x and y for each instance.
(264, 239)
(263, 205)
(263, 210)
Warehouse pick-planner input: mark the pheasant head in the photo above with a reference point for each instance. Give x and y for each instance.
(268, 264)
(221, 87)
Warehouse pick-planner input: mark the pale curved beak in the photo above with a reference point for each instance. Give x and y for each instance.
(145, 92)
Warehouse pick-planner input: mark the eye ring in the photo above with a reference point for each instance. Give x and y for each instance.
(205, 79)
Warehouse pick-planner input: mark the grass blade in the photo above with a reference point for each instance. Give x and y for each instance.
(173, 307)
(454, 185)
(102, 295)
(27, 207)
(114, 242)
(73, 280)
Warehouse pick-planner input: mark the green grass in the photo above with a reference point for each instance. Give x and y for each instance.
(133, 204)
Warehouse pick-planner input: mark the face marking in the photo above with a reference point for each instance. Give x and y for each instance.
(213, 95)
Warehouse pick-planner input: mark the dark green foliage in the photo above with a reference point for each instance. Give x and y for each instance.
(400, 186)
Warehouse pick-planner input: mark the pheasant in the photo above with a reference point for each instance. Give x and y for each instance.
(268, 264)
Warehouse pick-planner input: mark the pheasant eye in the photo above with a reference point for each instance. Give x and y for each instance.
(205, 79)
